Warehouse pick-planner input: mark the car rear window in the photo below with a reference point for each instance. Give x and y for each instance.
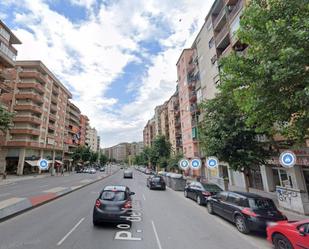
(261, 203)
(113, 196)
(212, 188)
(156, 179)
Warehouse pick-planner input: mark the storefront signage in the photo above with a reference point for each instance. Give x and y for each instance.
(287, 159)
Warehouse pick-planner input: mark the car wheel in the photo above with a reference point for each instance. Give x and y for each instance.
(186, 193)
(199, 201)
(210, 208)
(241, 224)
(95, 223)
(281, 242)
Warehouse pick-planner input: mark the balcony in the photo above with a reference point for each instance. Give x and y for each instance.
(192, 97)
(220, 37)
(53, 107)
(51, 126)
(219, 19)
(177, 112)
(235, 9)
(38, 87)
(27, 131)
(7, 55)
(55, 90)
(73, 120)
(52, 117)
(34, 97)
(28, 107)
(33, 75)
(177, 123)
(74, 113)
(178, 134)
(25, 119)
(15, 143)
(194, 109)
(54, 99)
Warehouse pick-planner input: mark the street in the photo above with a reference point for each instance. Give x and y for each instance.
(168, 221)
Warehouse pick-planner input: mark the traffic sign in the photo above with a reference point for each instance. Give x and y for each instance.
(184, 164)
(43, 164)
(195, 163)
(287, 159)
(212, 162)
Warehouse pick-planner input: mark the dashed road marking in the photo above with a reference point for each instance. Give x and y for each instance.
(71, 231)
(156, 234)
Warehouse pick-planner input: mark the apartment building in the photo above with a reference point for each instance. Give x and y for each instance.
(149, 132)
(121, 152)
(164, 121)
(187, 103)
(84, 122)
(98, 143)
(174, 126)
(92, 139)
(7, 58)
(39, 101)
(157, 121)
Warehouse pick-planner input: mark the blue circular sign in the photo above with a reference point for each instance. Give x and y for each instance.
(196, 163)
(183, 164)
(43, 164)
(212, 162)
(287, 159)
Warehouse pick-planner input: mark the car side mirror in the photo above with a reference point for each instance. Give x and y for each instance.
(301, 231)
(132, 193)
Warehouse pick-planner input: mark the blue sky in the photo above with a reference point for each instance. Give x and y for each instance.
(117, 57)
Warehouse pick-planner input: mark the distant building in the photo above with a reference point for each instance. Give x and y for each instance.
(92, 139)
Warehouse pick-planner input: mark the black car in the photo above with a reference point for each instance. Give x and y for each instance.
(200, 192)
(249, 212)
(102, 169)
(114, 204)
(156, 182)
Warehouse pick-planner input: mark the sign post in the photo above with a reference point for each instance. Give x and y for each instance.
(212, 162)
(195, 164)
(184, 164)
(43, 164)
(287, 159)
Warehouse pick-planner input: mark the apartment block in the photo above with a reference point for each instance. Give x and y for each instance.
(174, 125)
(157, 121)
(91, 139)
(39, 101)
(187, 103)
(7, 57)
(84, 122)
(98, 143)
(149, 132)
(164, 121)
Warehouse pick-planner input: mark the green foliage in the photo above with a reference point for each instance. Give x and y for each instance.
(5, 119)
(224, 134)
(160, 151)
(93, 157)
(82, 153)
(103, 159)
(173, 161)
(270, 84)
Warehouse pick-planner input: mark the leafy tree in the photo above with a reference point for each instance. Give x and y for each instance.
(173, 161)
(160, 151)
(85, 154)
(224, 134)
(271, 82)
(5, 119)
(93, 157)
(103, 159)
(76, 156)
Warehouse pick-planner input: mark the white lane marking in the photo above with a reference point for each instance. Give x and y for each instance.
(11, 201)
(4, 194)
(144, 197)
(43, 186)
(54, 190)
(71, 231)
(156, 234)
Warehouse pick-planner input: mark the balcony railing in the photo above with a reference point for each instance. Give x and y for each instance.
(192, 96)
(52, 117)
(28, 131)
(219, 17)
(29, 95)
(221, 35)
(9, 52)
(38, 87)
(34, 75)
(236, 8)
(28, 107)
(27, 119)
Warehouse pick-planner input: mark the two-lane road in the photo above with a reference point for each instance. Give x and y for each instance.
(168, 221)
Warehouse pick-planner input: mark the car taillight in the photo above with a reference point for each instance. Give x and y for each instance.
(206, 193)
(97, 203)
(249, 212)
(128, 204)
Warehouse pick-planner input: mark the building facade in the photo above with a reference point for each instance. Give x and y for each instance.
(92, 139)
(164, 121)
(39, 101)
(84, 122)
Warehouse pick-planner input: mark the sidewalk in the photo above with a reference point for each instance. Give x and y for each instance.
(15, 178)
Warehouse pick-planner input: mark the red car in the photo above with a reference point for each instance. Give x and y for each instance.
(289, 234)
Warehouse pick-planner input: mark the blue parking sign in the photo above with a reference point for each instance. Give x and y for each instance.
(287, 159)
(43, 164)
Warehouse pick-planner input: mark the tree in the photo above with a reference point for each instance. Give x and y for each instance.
(173, 161)
(271, 82)
(224, 134)
(85, 154)
(5, 119)
(103, 159)
(93, 157)
(160, 151)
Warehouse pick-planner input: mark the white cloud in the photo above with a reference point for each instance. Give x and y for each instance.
(89, 55)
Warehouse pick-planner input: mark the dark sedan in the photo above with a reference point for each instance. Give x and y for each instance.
(156, 182)
(249, 212)
(200, 192)
(114, 204)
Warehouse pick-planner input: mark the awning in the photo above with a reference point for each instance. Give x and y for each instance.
(57, 161)
(32, 163)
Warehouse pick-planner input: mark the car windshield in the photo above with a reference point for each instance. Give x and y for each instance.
(113, 196)
(261, 203)
(212, 187)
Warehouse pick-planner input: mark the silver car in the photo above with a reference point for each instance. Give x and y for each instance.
(127, 173)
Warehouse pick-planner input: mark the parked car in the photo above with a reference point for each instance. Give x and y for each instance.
(147, 171)
(127, 173)
(92, 171)
(200, 192)
(102, 169)
(114, 204)
(249, 212)
(289, 234)
(79, 170)
(156, 182)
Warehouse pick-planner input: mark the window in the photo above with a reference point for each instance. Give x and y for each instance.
(304, 228)
(113, 196)
(262, 203)
(281, 178)
(233, 198)
(211, 42)
(222, 196)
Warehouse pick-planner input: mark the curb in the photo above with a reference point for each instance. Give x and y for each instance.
(29, 203)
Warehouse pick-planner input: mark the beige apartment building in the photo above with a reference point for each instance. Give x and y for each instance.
(39, 101)
(92, 139)
(164, 121)
(174, 126)
(157, 121)
(149, 132)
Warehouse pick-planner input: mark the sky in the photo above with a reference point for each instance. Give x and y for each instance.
(117, 57)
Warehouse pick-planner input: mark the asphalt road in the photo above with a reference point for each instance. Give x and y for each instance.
(168, 221)
(35, 186)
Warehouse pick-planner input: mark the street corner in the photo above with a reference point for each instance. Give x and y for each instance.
(13, 206)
